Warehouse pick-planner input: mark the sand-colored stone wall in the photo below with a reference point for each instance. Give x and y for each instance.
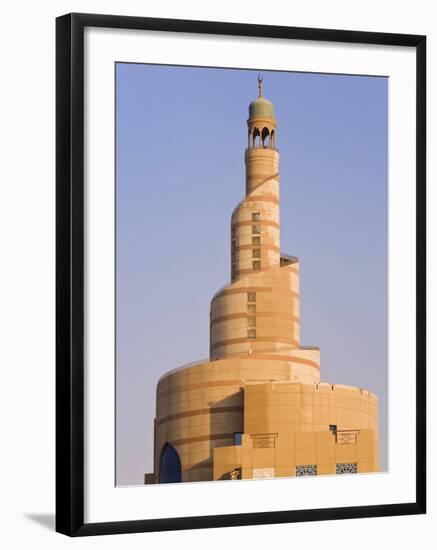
(259, 312)
(255, 235)
(283, 406)
(322, 428)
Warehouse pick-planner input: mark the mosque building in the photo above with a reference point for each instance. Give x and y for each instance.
(257, 408)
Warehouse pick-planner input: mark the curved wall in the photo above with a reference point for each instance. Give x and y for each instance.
(261, 164)
(258, 312)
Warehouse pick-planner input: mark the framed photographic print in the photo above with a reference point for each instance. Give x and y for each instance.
(240, 274)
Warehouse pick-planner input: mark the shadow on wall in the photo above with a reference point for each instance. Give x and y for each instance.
(221, 411)
(46, 520)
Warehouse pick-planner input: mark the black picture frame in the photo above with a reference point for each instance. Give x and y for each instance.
(70, 273)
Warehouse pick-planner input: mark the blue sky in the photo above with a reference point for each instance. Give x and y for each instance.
(180, 140)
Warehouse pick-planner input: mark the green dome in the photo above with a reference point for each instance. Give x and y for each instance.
(261, 108)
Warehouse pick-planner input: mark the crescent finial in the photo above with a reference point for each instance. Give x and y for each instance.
(260, 84)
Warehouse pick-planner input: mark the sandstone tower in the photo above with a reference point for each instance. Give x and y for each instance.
(257, 408)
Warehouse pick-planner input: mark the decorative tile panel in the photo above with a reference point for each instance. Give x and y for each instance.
(347, 468)
(307, 470)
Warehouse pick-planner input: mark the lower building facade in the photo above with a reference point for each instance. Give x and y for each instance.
(245, 418)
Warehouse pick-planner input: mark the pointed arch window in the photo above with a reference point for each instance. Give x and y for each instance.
(170, 470)
(256, 137)
(265, 137)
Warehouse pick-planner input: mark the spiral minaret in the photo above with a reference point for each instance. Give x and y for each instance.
(258, 312)
(208, 413)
